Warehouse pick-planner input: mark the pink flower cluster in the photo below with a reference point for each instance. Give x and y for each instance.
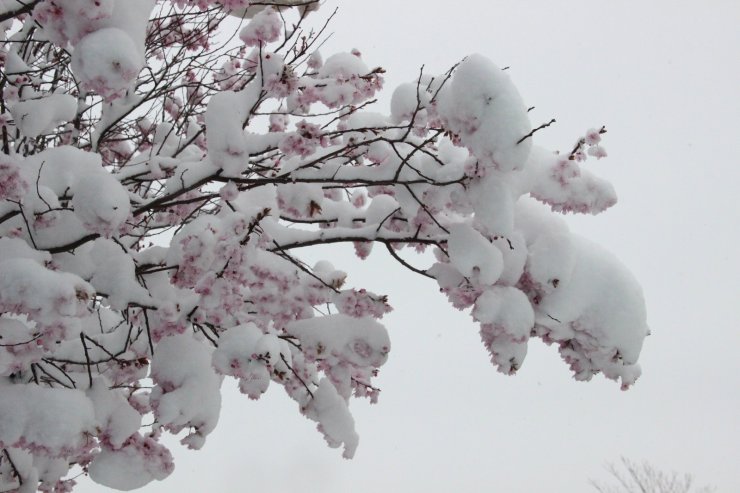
(12, 184)
(304, 141)
(362, 303)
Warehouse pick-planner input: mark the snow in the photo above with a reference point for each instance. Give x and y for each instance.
(265, 27)
(339, 337)
(226, 116)
(108, 45)
(120, 470)
(136, 464)
(473, 255)
(101, 203)
(17, 248)
(185, 395)
(380, 209)
(250, 202)
(328, 274)
(505, 307)
(114, 275)
(250, 355)
(35, 117)
(550, 258)
(27, 287)
(59, 168)
(302, 199)
(50, 419)
(107, 61)
(493, 197)
(514, 251)
(582, 295)
(24, 464)
(405, 101)
(15, 351)
(113, 414)
(237, 9)
(131, 16)
(600, 297)
(343, 65)
(483, 107)
(334, 420)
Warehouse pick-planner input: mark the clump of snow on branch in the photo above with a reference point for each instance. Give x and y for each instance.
(157, 185)
(185, 395)
(483, 109)
(265, 27)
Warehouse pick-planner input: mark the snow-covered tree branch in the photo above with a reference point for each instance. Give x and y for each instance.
(164, 162)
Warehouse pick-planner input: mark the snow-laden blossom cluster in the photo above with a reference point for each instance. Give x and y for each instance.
(158, 180)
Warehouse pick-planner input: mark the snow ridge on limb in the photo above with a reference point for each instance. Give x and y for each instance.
(131, 122)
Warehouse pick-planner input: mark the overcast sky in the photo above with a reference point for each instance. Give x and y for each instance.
(664, 77)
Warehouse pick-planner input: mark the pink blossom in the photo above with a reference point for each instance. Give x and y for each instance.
(12, 184)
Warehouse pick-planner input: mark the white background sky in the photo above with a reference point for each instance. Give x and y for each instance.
(664, 76)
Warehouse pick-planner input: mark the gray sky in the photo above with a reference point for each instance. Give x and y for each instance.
(663, 76)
